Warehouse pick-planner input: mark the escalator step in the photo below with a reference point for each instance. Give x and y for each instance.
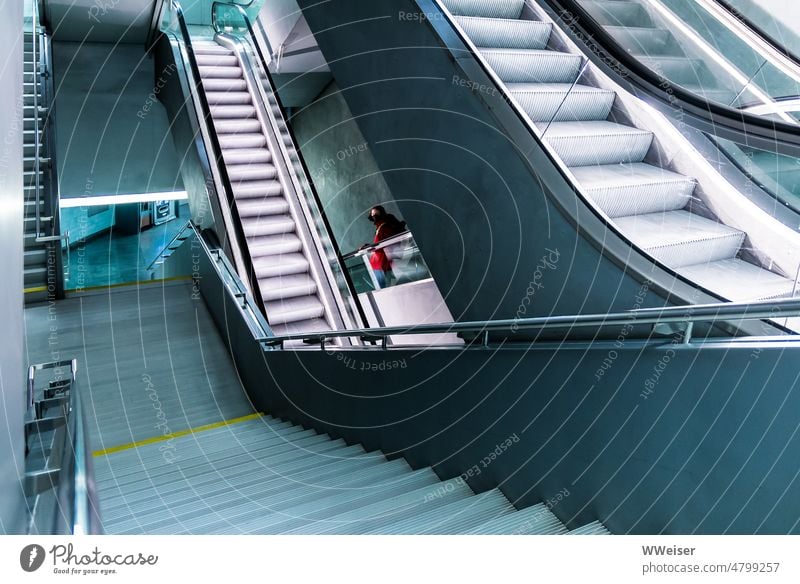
(680, 238)
(597, 142)
(487, 8)
(262, 207)
(274, 245)
(286, 287)
(270, 266)
(633, 189)
(567, 102)
(499, 33)
(294, 309)
(533, 66)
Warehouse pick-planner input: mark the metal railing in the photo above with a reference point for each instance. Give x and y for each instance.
(661, 320)
(68, 468)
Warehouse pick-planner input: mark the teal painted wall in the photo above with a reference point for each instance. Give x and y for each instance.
(112, 133)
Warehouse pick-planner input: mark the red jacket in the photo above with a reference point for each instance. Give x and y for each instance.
(378, 260)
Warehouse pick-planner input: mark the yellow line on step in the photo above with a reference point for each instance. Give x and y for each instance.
(34, 289)
(156, 439)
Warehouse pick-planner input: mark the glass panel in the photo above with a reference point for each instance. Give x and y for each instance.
(689, 47)
(393, 262)
(121, 244)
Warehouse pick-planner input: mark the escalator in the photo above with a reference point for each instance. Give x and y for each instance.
(266, 215)
(649, 203)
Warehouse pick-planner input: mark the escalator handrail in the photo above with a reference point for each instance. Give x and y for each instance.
(682, 315)
(783, 136)
(758, 30)
(216, 154)
(315, 196)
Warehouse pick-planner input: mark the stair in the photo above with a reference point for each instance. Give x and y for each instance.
(266, 476)
(630, 23)
(35, 253)
(280, 259)
(608, 158)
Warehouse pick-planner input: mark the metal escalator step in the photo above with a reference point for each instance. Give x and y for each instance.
(680, 238)
(223, 85)
(306, 326)
(267, 225)
(288, 310)
(457, 517)
(258, 513)
(536, 520)
(274, 245)
(287, 286)
(616, 13)
(262, 207)
(593, 528)
(634, 189)
(256, 189)
(597, 143)
(242, 111)
(219, 98)
(261, 174)
(739, 281)
(246, 156)
(209, 48)
(501, 33)
(216, 60)
(245, 126)
(284, 265)
(567, 102)
(249, 141)
(375, 517)
(533, 66)
(216, 72)
(488, 8)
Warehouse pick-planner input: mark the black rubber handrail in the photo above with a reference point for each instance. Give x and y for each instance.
(216, 154)
(318, 202)
(708, 116)
(768, 38)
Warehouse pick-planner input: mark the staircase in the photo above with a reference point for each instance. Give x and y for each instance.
(281, 259)
(36, 252)
(266, 476)
(649, 204)
(632, 25)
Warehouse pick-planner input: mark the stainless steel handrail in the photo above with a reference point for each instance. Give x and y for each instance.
(698, 313)
(76, 510)
(36, 138)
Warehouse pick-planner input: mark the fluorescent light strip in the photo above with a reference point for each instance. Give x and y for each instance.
(68, 203)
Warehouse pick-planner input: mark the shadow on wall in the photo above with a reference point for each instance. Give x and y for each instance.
(113, 135)
(342, 168)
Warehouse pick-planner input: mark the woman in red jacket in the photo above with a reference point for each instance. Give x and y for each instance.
(386, 226)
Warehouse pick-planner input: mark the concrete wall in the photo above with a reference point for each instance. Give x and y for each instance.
(12, 407)
(342, 168)
(112, 133)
